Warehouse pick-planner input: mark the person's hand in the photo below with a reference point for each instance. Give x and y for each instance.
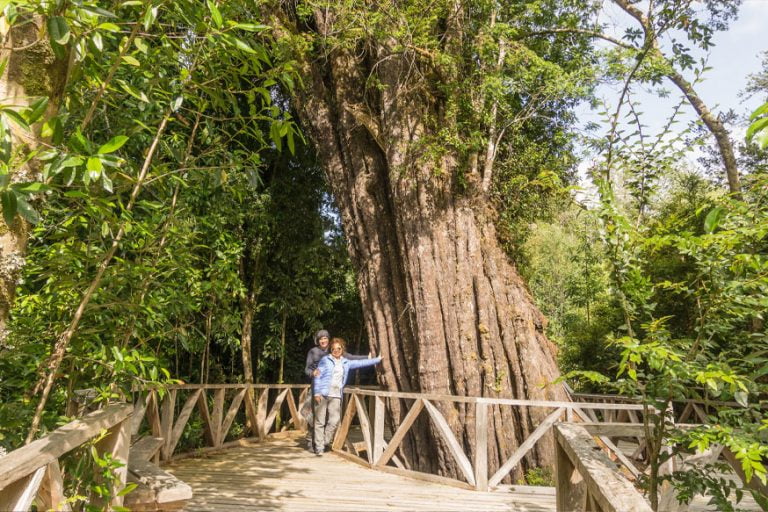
(316, 373)
(318, 398)
(370, 355)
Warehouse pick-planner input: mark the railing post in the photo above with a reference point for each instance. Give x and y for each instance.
(569, 484)
(481, 446)
(378, 429)
(117, 444)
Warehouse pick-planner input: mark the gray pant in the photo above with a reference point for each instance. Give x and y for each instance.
(327, 416)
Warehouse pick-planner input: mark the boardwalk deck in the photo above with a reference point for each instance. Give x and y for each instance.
(279, 475)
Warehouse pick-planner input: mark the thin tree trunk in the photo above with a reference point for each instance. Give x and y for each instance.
(282, 348)
(32, 71)
(443, 305)
(713, 124)
(57, 356)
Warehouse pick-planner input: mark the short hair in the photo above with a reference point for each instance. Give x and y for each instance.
(337, 341)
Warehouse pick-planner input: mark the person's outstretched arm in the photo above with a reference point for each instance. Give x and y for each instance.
(362, 363)
(353, 357)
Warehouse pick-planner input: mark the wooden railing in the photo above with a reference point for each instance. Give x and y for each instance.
(381, 452)
(587, 479)
(217, 406)
(32, 474)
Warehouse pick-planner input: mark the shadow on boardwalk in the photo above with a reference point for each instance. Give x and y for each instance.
(280, 475)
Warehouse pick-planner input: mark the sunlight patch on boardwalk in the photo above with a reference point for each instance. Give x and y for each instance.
(280, 475)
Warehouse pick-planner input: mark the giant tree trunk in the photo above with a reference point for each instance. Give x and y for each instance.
(443, 304)
(32, 71)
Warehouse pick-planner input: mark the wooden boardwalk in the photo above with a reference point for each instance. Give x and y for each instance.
(280, 475)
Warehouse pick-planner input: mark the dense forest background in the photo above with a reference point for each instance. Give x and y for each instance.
(166, 218)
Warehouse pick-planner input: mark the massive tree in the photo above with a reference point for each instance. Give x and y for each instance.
(412, 109)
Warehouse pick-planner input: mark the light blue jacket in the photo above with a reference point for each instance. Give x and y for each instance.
(322, 383)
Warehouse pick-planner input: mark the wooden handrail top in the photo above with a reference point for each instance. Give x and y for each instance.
(237, 386)
(626, 429)
(630, 399)
(493, 401)
(27, 459)
(606, 485)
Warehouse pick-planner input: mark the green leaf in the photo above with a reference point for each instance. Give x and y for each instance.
(58, 28)
(250, 27)
(762, 109)
(73, 161)
(94, 167)
(32, 188)
(131, 60)
(141, 45)
(26, 211)
(98, 11)
(149, 17)
(215, 14)
(3, 63)
(105, 234)
(109, 27)
(16, 118)
(106, 182)
(237, 43)
(8, 199)
(713, 219)
(113, 145)
(742, 398)
(37, 109)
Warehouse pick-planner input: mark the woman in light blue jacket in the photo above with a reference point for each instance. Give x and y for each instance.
(328, 386)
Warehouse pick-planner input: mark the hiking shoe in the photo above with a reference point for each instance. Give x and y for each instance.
(318, 453)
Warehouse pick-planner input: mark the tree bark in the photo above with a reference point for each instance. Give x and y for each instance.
(443, 305)
(32, 71)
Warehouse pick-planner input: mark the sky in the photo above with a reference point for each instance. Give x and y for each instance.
(736, 54)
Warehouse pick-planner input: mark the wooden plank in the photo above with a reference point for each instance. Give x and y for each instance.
(139, 409)
(218, 414)
(51, 494)
(453, 444)
(238, 386)
(296, 419)
(426, 477)
(230, 417)
(27, 459)
(181, 422)
(117, 443)
(145, 448)
(166, 420)
(250, 411)
(614, 449)
(490, 401)
(571, 490)
(269, 422)
(687, 411)
(209, 431)
(21, 495)
(610, 489)
(378, 428)
(526, 446)
(481, 447)
(261, 413)
(365, 426)
(341, 433)
(153, 415)
(399, 434)
(165, 486)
